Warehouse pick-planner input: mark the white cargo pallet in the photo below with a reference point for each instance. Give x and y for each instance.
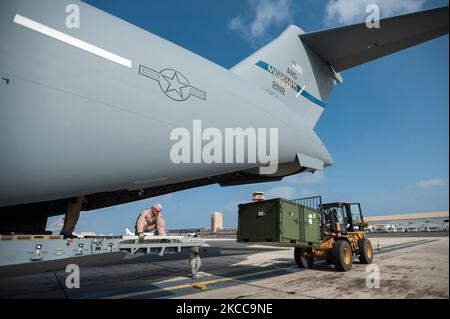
(159, 244)
(16, 250)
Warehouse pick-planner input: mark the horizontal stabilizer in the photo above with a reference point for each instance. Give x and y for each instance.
(349, 46)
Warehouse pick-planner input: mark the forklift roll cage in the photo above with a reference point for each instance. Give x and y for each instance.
(347, 214)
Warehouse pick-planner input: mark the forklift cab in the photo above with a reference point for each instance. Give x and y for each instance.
(347, 215)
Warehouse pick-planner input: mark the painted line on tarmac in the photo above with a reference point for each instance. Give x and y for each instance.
(208, 282)
(218, 280)
(236, 279)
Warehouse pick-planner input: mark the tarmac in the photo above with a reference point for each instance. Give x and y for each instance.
(408, 267)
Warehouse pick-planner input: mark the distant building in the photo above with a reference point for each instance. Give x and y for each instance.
(57, 225)
(203, 232)
(216, 222)
(88, 234)
(226, 233)
(433, 221)
(216, 229)
(186, 231)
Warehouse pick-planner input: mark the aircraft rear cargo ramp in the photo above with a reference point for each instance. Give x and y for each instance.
(25, 254)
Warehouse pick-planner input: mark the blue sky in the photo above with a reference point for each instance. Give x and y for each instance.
(386, 127)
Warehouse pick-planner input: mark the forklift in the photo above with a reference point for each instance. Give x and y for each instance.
(342, 235)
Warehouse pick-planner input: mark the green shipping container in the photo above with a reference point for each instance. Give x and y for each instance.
(278, 221)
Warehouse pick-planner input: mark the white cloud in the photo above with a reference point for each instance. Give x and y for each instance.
(264, 14)
(307, 178)
(286, 192)
(434, 182)
(352, 11)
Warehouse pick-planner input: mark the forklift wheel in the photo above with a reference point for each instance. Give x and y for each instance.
(365, 251)
(304, 257)
(342, 255)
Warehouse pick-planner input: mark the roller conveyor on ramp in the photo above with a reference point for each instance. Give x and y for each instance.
(26, 254)
(159, 244)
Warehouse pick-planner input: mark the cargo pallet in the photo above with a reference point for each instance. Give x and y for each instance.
(333, 232)
(24, 254)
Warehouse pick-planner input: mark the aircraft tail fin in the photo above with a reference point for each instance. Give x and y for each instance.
(128, 232)
(300, 69)
(292, 73)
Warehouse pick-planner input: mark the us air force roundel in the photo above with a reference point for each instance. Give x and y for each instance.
(173, 84)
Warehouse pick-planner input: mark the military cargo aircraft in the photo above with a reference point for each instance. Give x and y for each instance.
(95, 111)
